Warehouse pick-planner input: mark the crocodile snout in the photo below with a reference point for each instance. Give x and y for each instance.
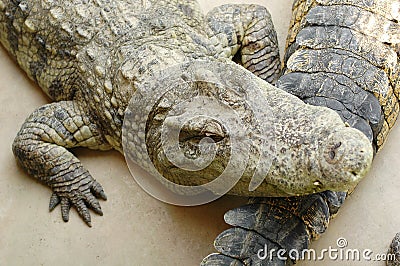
(346, 157)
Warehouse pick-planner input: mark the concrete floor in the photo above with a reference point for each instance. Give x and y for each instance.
(136, 229)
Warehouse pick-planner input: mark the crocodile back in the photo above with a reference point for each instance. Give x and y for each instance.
(95, 52)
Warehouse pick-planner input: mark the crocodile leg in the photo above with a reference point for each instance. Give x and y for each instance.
(41, 149)
(247, 34)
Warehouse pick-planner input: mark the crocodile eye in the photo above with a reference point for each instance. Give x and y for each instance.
(200, 128)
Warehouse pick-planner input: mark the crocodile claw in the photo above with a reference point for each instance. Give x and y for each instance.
(83, 198)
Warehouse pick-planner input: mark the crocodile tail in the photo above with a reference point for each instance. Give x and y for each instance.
(274, 231)
(344, 55)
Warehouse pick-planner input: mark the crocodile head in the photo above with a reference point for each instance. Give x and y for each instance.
(226, 122)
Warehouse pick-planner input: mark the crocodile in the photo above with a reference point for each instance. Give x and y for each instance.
(341, 54)
(91, 56)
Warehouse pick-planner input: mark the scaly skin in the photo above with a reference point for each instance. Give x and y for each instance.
(341, 54)
(90, 57)
(354, 35)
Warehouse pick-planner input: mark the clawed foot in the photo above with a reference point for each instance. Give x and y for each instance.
(82, 196)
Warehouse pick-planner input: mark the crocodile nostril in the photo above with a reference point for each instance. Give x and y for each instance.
(337, 145)
(332, 155)
(333, 150)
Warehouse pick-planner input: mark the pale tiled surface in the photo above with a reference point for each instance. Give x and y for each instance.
(137, 229)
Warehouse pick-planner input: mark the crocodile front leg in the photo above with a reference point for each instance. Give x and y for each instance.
(41, 149)
(247, 34)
